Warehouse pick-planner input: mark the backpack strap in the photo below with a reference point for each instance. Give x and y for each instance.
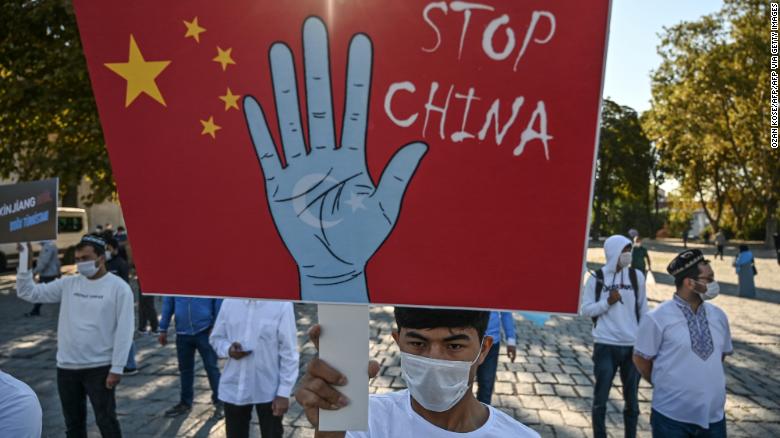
(635, 284)
(599, 288)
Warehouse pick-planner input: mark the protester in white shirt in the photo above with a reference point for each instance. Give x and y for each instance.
(440, 352)
(94, 333)
(259, 338)
(680, 349)
(615, 298)
(20, 410)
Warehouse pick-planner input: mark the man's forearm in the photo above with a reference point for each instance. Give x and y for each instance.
(644, 366)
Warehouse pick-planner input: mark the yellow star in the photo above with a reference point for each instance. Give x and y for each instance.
(209, 127)
(230, 99)
(193, 29)
(140, 74)
(223, 57)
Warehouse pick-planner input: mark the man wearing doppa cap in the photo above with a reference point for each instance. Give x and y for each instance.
(680, 349)
(94, 333)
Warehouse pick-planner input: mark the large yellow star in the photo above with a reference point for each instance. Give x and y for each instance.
(230, 99)
(209, 127)
(139, 74)
(223, 57)
(193, 29)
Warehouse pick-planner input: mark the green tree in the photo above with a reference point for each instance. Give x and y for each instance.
(709, 116)
(622, 195)
(49, 124)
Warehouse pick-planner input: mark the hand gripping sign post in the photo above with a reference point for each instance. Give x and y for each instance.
(353, 152)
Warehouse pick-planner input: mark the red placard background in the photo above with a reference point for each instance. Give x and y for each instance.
(480, 226)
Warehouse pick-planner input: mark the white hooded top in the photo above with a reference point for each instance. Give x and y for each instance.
(617, 324)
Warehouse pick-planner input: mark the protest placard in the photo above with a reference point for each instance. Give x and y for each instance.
(28, 211)
(400, 152)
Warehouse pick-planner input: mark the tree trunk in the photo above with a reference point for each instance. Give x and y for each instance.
(70, 196)
(770, 225)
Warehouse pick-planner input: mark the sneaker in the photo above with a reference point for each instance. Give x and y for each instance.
(219, 409)
(177, 410)
(130, 371)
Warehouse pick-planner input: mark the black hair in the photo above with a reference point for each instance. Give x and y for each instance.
(112, 242)
(120, 228)
(743, 248)
(424, 318)
(692, 272)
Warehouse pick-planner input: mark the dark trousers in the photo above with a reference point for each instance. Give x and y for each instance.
(186, 345)
(146, 312)
(719, 252)
(665, 427)
(486, 375)
(36, 310)
(74, 387)
(237, 418)
(607, 359)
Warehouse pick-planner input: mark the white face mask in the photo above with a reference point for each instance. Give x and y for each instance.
(87, 269)
(713, 289)
(624, 260)
(108, 256)
(436, 384)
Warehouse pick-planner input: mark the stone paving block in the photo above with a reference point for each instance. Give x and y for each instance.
(544, 389)
(565, 391)
(532, 402)
(584, 391)
(526, 377)
(545, 378)
(504, 388)
(550, 416)
(576, 419)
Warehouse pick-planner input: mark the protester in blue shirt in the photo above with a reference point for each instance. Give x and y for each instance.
(746, 270)
(486, 373)
(195, 318)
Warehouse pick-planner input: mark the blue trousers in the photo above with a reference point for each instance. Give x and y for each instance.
(186, 345)
(665, 427)
(486, 375)
(607, 359)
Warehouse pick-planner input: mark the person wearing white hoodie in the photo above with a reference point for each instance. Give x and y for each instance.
(615, 298)
(94, 333)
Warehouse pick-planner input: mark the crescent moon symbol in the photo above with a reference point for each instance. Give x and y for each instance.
(299, 203)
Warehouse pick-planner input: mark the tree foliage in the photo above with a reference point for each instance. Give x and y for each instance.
(709, 116)
(49, 124)
(621, 198)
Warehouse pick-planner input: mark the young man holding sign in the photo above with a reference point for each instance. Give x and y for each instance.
(440, 353)
(94, 334)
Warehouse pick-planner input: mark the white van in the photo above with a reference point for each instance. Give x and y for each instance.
(72, 224)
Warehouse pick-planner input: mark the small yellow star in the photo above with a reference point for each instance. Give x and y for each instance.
(209, 127)
(230, 99)
(193, 29)
(223, 57)
(140, 74)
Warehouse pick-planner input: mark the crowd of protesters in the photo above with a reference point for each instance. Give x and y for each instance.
(679, 347)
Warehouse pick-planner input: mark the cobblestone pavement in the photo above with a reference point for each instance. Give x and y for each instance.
(548, 387)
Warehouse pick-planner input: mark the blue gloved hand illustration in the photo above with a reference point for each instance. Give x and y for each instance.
(326, 208)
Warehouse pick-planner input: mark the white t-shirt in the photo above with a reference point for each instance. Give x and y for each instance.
(20, 411)
(391, 415)
(686, 388)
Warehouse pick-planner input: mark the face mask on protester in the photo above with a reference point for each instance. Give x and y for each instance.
(713, 289)
(88, 268)
(624, 260)
(436, 384)
(108, 256)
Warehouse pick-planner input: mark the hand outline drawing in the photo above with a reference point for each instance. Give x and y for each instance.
(325, 206)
